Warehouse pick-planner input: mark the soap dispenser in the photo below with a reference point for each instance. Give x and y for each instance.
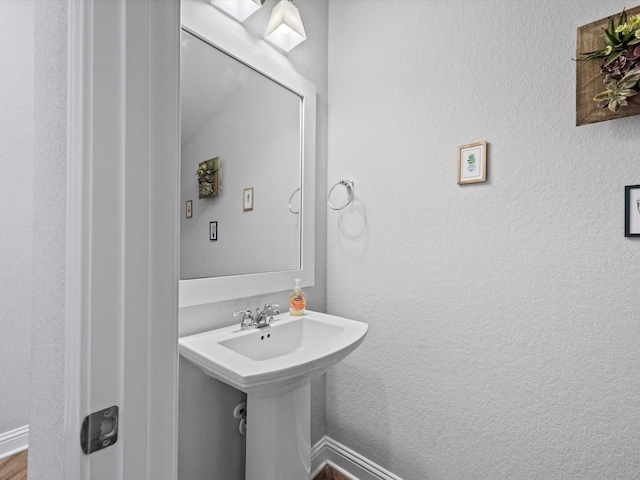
(297, 301)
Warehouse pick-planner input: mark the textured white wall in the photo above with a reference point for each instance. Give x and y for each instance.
(504, 339)
(16, 210)
(208, 445)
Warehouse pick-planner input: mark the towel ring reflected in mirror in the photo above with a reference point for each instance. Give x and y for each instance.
(349, 184)
(290, 200)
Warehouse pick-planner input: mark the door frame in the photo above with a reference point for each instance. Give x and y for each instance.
(123, 142)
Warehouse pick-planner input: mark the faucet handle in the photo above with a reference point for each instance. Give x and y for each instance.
(246, 312)
(247, 318)
(269, 309)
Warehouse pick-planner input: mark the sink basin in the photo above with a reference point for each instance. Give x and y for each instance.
(274, 360)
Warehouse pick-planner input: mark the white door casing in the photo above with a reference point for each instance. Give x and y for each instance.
(122, 234)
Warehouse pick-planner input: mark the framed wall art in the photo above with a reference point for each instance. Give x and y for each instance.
(472, 163)
(247, 202)
(632, 211)
(213, 230)
(209, 178)
(608, 68)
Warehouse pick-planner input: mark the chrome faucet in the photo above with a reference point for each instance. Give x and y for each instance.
(247, 318)
(262, 319)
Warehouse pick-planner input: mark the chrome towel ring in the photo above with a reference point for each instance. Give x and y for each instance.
(290, 199)
(349, 184)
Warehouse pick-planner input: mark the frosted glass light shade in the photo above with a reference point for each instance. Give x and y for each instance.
(285, 29)
(239, 9)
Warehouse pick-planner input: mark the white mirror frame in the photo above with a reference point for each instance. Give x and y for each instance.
(215, 289)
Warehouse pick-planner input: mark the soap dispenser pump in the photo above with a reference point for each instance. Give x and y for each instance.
(297, 301)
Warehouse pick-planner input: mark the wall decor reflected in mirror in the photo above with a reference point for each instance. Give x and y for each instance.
(238, 120)
(209, 178)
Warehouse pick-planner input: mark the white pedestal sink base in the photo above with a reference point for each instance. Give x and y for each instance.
(279, 436)
(267, 364)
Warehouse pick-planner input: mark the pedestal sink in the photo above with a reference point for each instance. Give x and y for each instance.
(274, 365)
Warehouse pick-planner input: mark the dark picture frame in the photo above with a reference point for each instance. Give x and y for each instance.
(213, 230)
(632, 211)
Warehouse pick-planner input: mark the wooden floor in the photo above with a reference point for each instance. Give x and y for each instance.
(329, 473)
(14, 467)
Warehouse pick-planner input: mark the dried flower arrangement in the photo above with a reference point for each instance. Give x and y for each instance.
(209, 178)
(621, 67)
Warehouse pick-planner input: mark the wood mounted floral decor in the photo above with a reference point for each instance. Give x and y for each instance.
(608, 68)
(209, 178)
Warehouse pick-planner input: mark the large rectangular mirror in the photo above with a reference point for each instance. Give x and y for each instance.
(254, 120)
(251, 125)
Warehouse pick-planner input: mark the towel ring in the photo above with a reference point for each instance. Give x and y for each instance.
(349, 184)
(290, 199)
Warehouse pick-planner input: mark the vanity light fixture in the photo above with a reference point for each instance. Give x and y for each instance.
(285, 29)
(239, 9)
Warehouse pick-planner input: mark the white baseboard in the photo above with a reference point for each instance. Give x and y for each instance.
(14, 441)
(329, 452)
